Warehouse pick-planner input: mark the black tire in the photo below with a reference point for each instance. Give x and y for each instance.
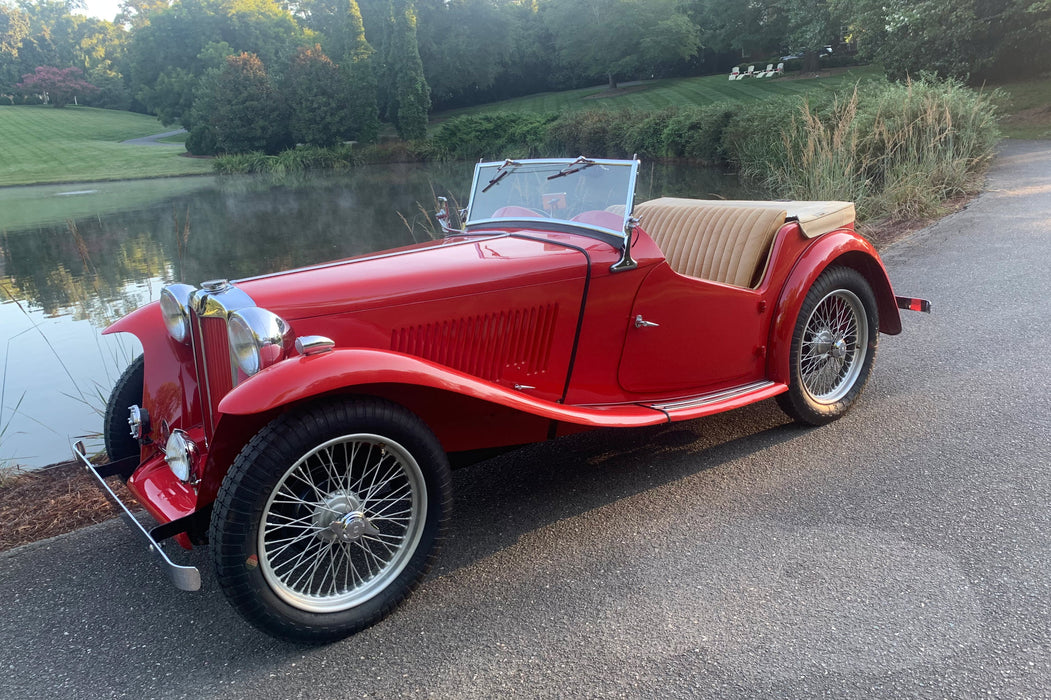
(115, 430)
(287, 484)
(833, 347)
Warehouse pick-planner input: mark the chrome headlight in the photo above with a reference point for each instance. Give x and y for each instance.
(257, 338)
(175, 308)
(180, 452)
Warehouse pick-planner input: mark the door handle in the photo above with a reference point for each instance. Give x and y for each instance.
(640, 322)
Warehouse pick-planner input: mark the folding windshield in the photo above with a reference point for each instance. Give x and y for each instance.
(585, 193)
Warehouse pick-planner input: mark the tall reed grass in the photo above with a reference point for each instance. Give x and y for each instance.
(899, 152)
(294, 160)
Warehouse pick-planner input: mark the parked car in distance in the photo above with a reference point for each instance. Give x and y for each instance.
(302, 423)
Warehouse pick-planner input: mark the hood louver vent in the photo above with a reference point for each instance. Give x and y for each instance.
(486, 345)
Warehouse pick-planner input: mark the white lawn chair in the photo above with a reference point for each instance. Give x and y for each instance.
(780, 70)
(735, 74)
(768, 73)
(750, 73)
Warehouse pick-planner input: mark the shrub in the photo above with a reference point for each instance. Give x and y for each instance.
(697, 133)
(597, 134)
(201, 141)
(494, 135)
(646, 137)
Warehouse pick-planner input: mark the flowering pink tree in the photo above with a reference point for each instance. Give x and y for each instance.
(58, 85)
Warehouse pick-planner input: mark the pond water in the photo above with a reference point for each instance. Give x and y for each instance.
(76, 257)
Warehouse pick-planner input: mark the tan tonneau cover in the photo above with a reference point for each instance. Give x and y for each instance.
(815, 218)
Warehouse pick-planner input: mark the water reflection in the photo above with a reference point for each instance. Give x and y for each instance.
(71, 265)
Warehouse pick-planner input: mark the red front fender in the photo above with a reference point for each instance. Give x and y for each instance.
(844, 248)
(301, 378)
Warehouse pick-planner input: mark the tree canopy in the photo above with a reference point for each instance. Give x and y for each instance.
(362, 61)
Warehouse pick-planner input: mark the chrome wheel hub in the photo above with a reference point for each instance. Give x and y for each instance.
(834, 346)
(340, 518)
(823, 342)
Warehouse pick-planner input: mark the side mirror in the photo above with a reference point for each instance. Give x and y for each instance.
(444, 217)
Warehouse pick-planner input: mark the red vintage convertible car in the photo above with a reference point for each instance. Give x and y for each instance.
(303, 422)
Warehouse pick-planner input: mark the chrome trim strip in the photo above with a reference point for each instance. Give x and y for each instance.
(712, 397)
(185, 578)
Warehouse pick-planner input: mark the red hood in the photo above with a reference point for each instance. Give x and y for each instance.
(447, 268)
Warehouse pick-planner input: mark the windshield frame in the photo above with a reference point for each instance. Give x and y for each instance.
(486, 174)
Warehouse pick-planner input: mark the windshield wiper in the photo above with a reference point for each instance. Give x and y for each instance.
(500, 173)
(574, 167)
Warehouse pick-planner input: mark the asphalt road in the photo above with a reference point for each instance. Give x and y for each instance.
(904, 551)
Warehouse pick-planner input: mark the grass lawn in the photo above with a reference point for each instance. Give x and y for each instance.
(655, 94)
(77, 144)
(1028, 109)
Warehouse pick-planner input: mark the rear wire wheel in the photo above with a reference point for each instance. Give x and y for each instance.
(833, 347)
(329, 517)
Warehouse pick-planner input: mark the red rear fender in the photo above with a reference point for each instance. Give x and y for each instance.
(843, 248)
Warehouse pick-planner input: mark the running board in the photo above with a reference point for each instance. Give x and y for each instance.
(689, 407)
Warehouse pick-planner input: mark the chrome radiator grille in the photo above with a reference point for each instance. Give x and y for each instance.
(215, 375)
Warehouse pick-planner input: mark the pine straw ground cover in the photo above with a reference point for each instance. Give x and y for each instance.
(35, 505)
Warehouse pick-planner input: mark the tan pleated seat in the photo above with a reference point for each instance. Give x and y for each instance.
(725, 242)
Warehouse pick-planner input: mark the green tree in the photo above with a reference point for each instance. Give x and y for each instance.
(605, 37)
(993, 38)
(315, 98)
(137, 13)
(168, 55)
(795, 26)
(464, 44)
(14, 29)
(359, 76)
(412, 96)
(377, 18)
(246, 115)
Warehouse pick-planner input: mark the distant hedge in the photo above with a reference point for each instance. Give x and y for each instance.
(897, 149)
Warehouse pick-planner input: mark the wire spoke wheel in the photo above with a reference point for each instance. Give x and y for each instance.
(834, 346)
(329, 517)
(341, 523)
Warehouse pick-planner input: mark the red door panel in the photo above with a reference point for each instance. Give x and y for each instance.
(708, 335)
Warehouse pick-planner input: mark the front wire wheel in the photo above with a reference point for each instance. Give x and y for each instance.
(329, 517)
(833, 347)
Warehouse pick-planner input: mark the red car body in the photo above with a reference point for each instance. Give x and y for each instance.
(506, 333)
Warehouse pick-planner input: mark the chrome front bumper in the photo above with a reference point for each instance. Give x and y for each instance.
(186, 578)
